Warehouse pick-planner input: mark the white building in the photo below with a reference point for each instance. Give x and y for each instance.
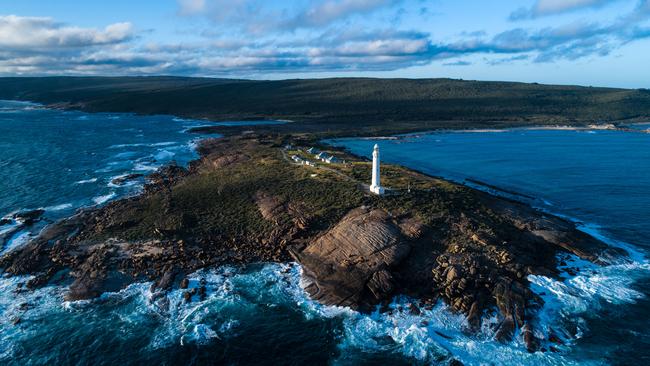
(331, 159)
(376, 187)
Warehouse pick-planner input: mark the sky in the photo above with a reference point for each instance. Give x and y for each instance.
(584, 42)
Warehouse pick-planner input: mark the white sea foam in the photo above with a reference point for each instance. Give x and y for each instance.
(143, 167)
(103, 199)
(44, 301)
(432, 336)
(163, 154)
(129, 183)
(18, 239)
(596, 231)
(156, 144)
(436, 335)
(9, 226)
(567, 301)
(125, 155)
(86, 181)
(63, 206)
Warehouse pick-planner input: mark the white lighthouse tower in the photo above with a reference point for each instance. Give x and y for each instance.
(376, 187)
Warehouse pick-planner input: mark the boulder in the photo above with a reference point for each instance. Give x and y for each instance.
(29, 217)
(126, 178)
(222, 161)
(412, 227)
(350, 264)
(166, 281)
(271, 208)
(381, 284)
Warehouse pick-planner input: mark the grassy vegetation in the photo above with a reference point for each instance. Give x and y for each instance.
(345, 106)
(411, 192)
(220, 202)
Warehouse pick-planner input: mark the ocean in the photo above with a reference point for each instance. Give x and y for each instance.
(61, 161)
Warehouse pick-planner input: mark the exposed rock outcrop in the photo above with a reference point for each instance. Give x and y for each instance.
(350, 264)
(29, 217)
(119, 181)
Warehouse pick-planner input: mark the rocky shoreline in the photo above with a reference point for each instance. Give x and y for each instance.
(244, 202)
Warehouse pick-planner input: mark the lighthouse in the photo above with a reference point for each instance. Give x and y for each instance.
(376, 187)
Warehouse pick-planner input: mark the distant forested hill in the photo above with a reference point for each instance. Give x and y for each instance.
(340, 103)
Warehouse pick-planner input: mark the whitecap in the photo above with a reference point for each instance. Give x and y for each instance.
(120, 146)
(193, 145)
(47, 300)
(11, 225)
(125, 155)
(18, 239)
(63, 206)
(128, 183)
(584, 289)
(86, 181)
(142, 167)
(103, 199)
(596, 231)
(164, 155)
(436, 335)
(168, 143)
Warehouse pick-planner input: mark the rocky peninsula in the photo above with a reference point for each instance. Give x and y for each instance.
(245, 201)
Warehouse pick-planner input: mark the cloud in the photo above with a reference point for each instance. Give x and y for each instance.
(506, 60)
(543, 8)
(189, 7)
(570, 41)
(329, 42)
(259, 16)
(323, 13)
(457, 63)
(30, 33)
(39, 45)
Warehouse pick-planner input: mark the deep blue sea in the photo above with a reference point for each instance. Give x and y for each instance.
(61, 161)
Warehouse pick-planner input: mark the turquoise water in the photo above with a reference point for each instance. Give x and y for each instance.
(61, 161)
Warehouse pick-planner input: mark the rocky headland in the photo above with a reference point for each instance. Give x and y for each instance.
(245, 201)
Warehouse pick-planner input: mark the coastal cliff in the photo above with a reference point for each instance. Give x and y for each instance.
(244, 201)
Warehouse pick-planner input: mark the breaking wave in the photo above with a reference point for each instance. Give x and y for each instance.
(105, 198)
(237, 299)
